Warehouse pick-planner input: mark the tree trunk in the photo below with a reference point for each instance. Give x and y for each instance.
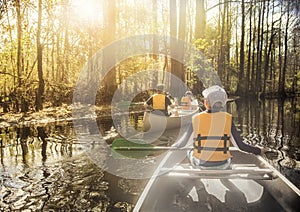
(237, 55)
(65, 56)
(258, 55)
(155, 29)
(280, 88)
(259, 77)
(267, 47)
(200, 21)
(249, 50)
(221, 62)
(227, 47)
(241, 85)
(173, 19)
(19, 35)
(177, 48)
(11, 40)
(284, 67)
(40, 92)
(66, 62)
(109, 35)
(182, 37)
(253, 71)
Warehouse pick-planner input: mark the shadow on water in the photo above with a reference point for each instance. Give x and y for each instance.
(43, 167)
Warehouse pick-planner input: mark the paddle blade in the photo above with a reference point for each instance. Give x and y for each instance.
(122, 147)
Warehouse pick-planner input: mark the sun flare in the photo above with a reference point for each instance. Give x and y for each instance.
(87, 10)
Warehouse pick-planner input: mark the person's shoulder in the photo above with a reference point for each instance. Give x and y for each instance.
(199, 114)
(225, 113)
(228, 114)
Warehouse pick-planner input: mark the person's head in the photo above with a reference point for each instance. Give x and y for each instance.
(188, 93)
(215, 98)
(160, 88)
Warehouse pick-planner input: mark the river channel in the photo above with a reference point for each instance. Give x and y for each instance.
(44, 167)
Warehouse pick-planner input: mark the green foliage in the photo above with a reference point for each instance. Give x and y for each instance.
(70, 38)
(202, 44)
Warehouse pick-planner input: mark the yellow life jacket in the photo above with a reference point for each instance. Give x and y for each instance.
(212, 136)
(159, 102)
(185, 103)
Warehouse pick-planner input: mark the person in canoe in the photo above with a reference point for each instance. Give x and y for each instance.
(159, 102)
(188, 102)
(213, 132)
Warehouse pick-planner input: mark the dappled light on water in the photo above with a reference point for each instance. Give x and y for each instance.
(44, 166)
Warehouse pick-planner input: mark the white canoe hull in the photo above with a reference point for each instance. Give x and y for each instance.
(154, 123)
(256, 187)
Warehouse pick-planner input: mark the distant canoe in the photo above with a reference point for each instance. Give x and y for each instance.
(154, 122)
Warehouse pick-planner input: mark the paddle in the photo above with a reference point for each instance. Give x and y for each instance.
(153, 148)
(122, 146)
(138, 148)
(160, 148)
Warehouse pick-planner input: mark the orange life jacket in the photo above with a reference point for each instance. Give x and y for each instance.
(159, 102)
(185, 103)
(211, 136)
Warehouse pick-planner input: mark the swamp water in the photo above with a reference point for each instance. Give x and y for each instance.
(45, 167)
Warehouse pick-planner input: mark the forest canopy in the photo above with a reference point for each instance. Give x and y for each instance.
(253, 45)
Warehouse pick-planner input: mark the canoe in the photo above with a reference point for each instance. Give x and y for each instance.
(153, 122)
(251, 185)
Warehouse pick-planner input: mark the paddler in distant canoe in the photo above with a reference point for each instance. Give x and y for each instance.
(213, 132)
(159, 102)
(188, 102)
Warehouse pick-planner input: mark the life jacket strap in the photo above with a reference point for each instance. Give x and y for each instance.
(199, 143)
(226, 138)
(199, 138)
(211, 148)
(212, 137)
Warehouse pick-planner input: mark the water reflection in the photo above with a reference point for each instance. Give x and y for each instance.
(31, 145)
(44, 167)
(273, 124)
